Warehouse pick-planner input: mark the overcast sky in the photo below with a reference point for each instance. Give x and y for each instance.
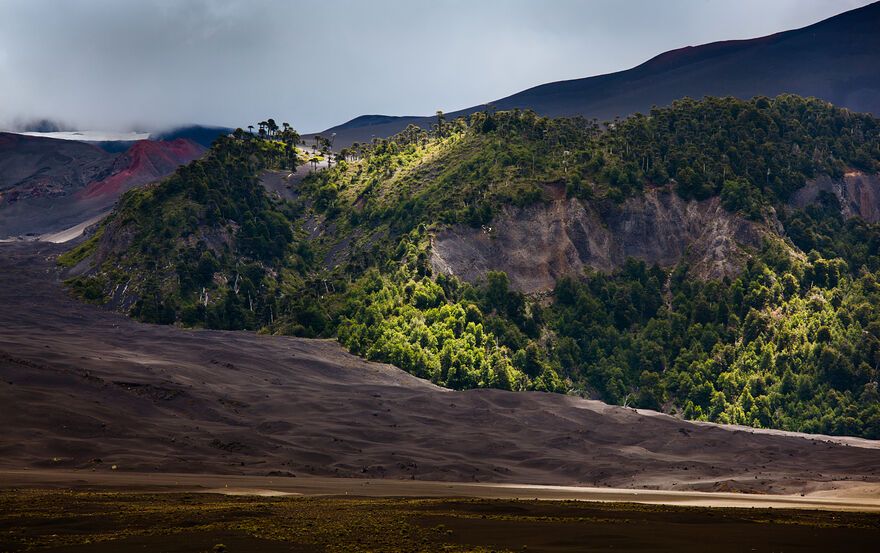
(123, 64)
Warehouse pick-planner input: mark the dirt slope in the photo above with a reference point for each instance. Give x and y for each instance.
(144, 162)
(857, 193)
(33, 166)
(538, 244)
(79, 384)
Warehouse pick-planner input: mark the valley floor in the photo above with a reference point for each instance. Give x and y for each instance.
(854, 498)
(101, 521)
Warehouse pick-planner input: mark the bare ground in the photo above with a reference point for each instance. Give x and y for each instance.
(82, 388)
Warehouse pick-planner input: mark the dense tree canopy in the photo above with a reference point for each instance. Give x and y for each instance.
(792, 342)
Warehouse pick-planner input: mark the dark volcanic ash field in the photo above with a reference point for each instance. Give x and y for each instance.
(81, 387)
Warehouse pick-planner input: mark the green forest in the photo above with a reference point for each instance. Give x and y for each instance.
(791, 342)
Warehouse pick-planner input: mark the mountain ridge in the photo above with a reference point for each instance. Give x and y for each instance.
(832, 60)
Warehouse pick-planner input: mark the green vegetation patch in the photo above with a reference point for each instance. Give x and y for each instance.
(74, 256)
(791, 342)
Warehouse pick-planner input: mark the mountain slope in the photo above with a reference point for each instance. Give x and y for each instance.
(36, 166)
(88, 389)
(47, 185)
(669, 266)
(143, 162)
(199, 134)
(539, 244)
(835, 60)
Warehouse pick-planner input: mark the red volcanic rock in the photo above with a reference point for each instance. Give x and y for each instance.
(145, 161)
(48, 185)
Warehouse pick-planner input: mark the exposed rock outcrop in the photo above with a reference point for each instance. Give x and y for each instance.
(857, 193)
(538, 244)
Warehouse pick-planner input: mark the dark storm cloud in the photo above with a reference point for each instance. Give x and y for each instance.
(115, 64)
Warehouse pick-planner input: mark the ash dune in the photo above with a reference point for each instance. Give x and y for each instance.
(81, 387)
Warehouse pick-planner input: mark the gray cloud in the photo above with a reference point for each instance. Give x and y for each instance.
(119, 64)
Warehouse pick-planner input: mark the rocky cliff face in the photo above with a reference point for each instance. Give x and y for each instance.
(538, 244)
(858, 194)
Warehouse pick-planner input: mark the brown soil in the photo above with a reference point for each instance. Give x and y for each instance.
(538, 244)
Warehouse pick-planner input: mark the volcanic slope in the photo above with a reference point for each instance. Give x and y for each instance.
(83, 387)
(48, 185)
(834, 60)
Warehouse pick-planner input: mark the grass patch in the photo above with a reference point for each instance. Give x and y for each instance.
(72, 257)
(108, 521)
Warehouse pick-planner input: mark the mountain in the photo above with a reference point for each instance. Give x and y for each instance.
(835, 60)
(47, 185)
(370, 121)
(199, 134)
(716, 260)
(48, 165)
(143, 162)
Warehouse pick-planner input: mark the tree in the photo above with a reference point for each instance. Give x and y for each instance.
(650, 391)
(441, 119)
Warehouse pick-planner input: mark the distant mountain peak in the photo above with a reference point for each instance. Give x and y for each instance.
(200, 134)
(835, 59)
(366, 120)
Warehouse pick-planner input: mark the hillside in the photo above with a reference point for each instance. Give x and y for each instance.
(93, 391)
(199, 134)
(834, 60)
(143, 162)
(695, 279)
(47, 185)
(34, 166)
